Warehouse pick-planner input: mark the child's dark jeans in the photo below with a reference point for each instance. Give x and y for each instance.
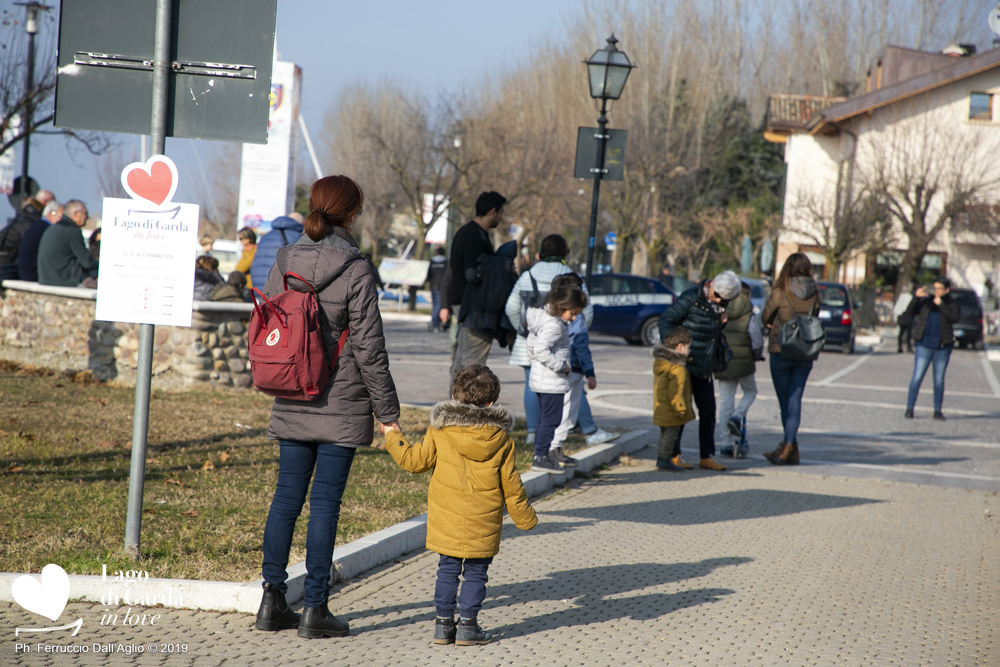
(550, 412)
(474, 575)
(670, 442)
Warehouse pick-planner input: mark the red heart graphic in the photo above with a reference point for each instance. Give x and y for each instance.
(154, 186)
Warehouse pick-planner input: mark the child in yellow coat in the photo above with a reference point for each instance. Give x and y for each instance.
(470, 449)
(672, 397)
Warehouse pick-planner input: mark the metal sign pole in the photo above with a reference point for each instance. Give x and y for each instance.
(144, 371)
(598, 171)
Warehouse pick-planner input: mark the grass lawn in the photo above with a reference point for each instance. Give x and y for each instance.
(65, 448)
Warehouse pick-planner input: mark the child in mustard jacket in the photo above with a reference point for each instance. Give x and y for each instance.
(672, 397)
(470, 449)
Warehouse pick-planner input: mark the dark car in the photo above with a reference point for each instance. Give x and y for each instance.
(969, 328)
(628, 306)
(836, 313)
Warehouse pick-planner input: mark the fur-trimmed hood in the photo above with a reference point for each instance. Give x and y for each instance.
(673, 356)
(477, 433)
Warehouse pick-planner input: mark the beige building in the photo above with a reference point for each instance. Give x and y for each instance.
(922, 144)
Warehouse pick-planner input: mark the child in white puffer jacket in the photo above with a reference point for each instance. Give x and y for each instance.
(548, 351)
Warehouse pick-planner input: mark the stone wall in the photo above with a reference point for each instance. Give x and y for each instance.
(55, 328)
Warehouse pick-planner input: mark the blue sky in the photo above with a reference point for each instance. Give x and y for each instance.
(433, 44)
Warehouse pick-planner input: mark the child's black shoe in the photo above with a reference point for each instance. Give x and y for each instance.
(666, 465)
(556, 454)
(545, 464)
(468, 633)
(444, 630)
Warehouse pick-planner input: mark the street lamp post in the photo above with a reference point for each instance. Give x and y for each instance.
(607, 71)
(32, 10)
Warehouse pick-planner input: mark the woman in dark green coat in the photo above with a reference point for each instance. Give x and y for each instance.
(739, 373)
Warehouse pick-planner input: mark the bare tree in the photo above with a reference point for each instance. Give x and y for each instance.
(27, 109)
(930, 172)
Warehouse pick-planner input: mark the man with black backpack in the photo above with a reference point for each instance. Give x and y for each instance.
(471, 242)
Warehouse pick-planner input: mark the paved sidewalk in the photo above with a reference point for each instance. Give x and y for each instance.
(764, 566)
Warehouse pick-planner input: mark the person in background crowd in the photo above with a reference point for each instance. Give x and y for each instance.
(740, 373)
(548, 351)
(27, 256)
(435, 278)
(933, 320)
(94, 244)
(233, 289)
(63, 259)
(206, 243)
(317, 440)
(206, 276)
(471, 241)
(794, 293)
(552, 254)
(702, 311)
(904, 321)
(581, 372)
(285, 230)
(248, 239)
(11, 235)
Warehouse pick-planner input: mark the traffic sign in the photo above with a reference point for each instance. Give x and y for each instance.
(611, 240)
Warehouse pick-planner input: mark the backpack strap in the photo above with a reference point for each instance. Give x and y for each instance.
(284, 239)
(284, 279)
(534, 285)
(257, 307)
(792, 308)
(340, 349)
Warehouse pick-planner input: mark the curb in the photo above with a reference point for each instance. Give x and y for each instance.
(349, 560)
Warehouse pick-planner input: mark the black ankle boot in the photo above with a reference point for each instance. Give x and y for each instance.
(318, 622)
(444, 630)
(274, 613)
(468, 633)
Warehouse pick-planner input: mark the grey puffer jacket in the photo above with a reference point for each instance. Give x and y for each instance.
(361, 383)
(548, 350)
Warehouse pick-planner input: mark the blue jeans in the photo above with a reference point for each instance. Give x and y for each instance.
(297, 464)
(530, 403)
(435, 309)
(550, 411)
(789, 379)
(585, 419)
(922, 359)
(474, 573)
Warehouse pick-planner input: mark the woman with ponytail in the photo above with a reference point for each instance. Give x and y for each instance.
(318, 439)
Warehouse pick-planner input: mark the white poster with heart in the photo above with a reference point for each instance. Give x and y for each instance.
(146, 271)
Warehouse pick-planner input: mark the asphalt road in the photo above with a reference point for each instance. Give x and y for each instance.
(852, 412)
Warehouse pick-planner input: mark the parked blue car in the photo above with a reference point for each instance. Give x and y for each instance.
(629, 306)
(836, 314)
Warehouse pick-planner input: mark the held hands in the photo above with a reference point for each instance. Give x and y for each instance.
(591, 383)
(385, 428)
(444, 314)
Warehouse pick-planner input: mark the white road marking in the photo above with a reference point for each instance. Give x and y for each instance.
(991, 377)
(865, 358)
(893, 469)
(595, 400)
(924, 389)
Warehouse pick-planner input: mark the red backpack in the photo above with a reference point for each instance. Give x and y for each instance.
(286, 345)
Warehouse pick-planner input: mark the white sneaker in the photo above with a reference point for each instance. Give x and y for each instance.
(529, 439)
(600, 436)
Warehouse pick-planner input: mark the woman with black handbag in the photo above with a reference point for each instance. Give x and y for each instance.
(795, 294)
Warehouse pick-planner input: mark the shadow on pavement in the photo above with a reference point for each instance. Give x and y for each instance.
(587, 589)
(715, 507)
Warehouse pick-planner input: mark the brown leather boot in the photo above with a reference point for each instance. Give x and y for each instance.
(774, 457)
(792, 454)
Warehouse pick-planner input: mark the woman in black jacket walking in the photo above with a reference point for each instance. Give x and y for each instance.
(933, 334)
